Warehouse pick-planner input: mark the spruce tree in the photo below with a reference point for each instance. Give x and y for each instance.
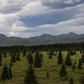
(82, 58)
(30, 77)
(80, 64)
(37, 62)
(68, 60)
(5, 74)
(18, 57)
(10, 73)
(71, 81)
(63, 71)
(0, 59)
(30, 58)
(82, 79)
(60, 58)
(47, 75)
(13, 58)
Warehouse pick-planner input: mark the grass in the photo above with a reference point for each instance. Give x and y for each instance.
(48, 65)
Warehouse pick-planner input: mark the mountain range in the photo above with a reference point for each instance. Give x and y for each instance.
(43, 39)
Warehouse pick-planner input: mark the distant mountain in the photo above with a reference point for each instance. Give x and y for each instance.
(2, 36)
(43, 39)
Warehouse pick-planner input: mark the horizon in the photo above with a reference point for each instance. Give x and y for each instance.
(30, 18)
(42, 34)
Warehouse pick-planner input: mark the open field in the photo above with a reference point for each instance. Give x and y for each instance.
(48, 65)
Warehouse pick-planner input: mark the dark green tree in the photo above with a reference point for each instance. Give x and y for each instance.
(30, 77)
(13, 58)
(60, 58)
(47, 75)
(82, 58)
(80, 64)
(63, 71)
(5, 74)
(30, 58)
(0, 59)
(10, 73)
(71, 81)
(68, 60)
(37, 62)
(18, 57)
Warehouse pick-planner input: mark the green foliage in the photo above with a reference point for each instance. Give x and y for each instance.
(37, 62)
(0, 59)
(80, 64)
(30, 58)
(60, 58)
(5, 73)
(30, 77)
(10, 73)
(63, 71)
(71, 81)
(68, 60)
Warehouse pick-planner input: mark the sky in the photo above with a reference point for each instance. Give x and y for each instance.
(29, 18)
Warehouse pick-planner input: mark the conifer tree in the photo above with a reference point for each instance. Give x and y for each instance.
(10, 73)
(5, 74)
(68, 60)
(80, 64)
(71, 81)
(13, 58)
(47, 76)
(82, 58)
(60, 58)
(0, 59)
(63, 71)
(18, 57)
(30, 77)
(37, 62)
(30, 58)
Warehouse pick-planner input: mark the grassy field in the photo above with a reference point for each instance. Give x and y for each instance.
(48, 65)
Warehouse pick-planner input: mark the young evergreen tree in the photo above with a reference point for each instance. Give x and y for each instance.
(71, 81)
(5, 74)
(18, 57)
(68, 60)
(60, 58)
(30, 58)
(80, 64)
(82, 58)
(41, 57)
(63, 71)
(13, 58)
(37, 62)
(10, 73)
(30, 77)
(0, 59)
(47, 75)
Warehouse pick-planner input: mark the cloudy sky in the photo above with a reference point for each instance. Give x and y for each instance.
(26, 18)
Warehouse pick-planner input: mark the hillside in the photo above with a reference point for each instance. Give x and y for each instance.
(43, 39)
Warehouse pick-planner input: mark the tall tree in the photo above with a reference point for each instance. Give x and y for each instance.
(10, 73)
(60, 58)
(30, 77)
(37, 62)
(71, 81)
(0, 58)
(63, 71)
(68, 60)
(80, 64)
(5, 74)
(30, 58)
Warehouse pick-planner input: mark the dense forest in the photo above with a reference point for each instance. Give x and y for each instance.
(42, 64)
